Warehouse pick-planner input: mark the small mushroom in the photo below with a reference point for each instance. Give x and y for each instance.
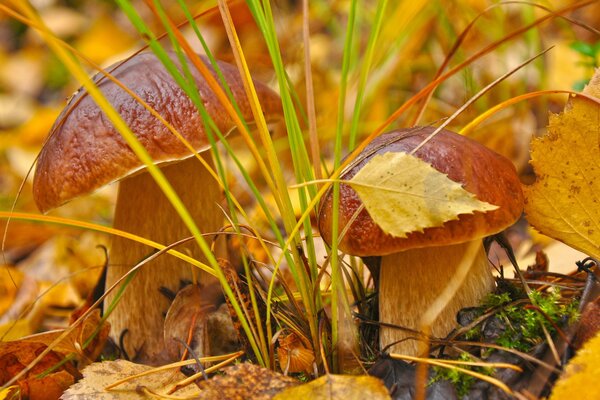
(85, 152)
(414, 270)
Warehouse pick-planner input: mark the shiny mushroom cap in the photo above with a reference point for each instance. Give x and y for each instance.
(489, 176)
(85, 152)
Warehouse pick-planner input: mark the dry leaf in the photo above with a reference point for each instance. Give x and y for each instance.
(582, 371)
(338, 387)
(293, 355)
(245, 381)
(564, 202)
(185, 322)
(404, 194)
(15, 356)
(74, 342)
(98, 375)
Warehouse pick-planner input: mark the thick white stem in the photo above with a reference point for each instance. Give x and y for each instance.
(144, 210)
(410, 281)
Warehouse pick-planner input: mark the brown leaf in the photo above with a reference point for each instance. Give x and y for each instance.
(15, 356)
(245, 381)
(75, 341)
(589, 324)
(98, 375)
(293, 355)
(193, 319)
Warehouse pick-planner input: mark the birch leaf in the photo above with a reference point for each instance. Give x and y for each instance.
(564, 202)
(404, 194)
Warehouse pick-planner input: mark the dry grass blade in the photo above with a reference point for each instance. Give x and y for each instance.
(507, 103)
(89, 311)
(208, 370)
(461, 38)
(432, 85)
(310, 94)
(444, 364)
(103, 229)
(221, 96)
(477, 96)
(524, 356)
(225, 357)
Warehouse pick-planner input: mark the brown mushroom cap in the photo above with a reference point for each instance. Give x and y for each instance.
(489, 176)
(85, 152)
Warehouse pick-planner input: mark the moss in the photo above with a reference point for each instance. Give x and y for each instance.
(518, 325)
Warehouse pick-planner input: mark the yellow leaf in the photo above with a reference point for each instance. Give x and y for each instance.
(334, 387)
(564, 202)
(404, 194)
(580, 374)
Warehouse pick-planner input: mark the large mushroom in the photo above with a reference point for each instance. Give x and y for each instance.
(414, 270)
(85, 152)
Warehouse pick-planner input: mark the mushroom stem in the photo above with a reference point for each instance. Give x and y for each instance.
(411, 280)
(143, 209)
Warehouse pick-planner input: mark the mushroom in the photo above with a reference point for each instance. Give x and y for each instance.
(414, 270)
(85, 152)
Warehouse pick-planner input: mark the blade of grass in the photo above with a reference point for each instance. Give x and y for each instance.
(273, 161)
(442, 363)
(179, 40)
(507, 103)
(310, 94)
(302, 169)
(366, 61)
(336, 276)
(71, 223)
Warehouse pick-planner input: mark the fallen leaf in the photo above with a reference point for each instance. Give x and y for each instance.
(98, 375)
(293, 355)
(86, 340)
(577, 382)
(15, 356)
(404, 194)
(185, 322)
(564, 201)
(334, 387)
(245, 381)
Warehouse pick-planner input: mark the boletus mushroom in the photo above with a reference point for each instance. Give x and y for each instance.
(414, 270)
(85, 152)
